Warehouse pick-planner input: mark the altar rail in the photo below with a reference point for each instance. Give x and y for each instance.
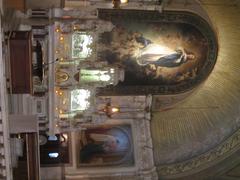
(5, 164)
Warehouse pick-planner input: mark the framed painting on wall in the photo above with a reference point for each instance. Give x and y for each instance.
(106, 145)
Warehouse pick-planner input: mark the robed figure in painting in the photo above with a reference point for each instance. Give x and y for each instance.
(162, 56)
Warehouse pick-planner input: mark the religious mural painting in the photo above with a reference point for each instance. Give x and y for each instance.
(106, 145)
(165, 51)
(154, 52)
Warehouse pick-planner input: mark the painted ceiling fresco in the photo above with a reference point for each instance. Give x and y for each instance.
(161, 53)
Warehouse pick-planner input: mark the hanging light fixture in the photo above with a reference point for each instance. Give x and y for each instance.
(110, 110)
(61, 38)
(115, 110)
(124, 1)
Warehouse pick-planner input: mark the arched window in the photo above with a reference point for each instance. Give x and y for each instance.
(81, 45)
(80, 99)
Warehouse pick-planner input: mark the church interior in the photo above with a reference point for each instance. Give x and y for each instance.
(119, 90)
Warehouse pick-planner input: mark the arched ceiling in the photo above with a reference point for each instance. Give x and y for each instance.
(211, 115)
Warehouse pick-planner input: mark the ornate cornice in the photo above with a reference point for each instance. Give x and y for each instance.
(210, 158)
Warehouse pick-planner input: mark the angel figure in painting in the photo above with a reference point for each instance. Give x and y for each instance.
(161, 56)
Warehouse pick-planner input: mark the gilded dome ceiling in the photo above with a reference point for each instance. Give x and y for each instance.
(203, 130)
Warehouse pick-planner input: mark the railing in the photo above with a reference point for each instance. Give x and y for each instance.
(5, 162)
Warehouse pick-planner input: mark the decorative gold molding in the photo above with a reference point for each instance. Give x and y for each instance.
(203, 161)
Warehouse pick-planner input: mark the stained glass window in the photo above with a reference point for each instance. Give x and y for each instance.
(81, 43)
(88, 75)
(80, 99)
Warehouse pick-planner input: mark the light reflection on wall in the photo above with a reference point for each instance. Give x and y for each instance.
(154, 49)
(53, 155)
(52, 138)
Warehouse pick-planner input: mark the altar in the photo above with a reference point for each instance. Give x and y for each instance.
(116, 127)
(76, 71)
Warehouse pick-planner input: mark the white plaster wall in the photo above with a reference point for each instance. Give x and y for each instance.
(31, 4)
